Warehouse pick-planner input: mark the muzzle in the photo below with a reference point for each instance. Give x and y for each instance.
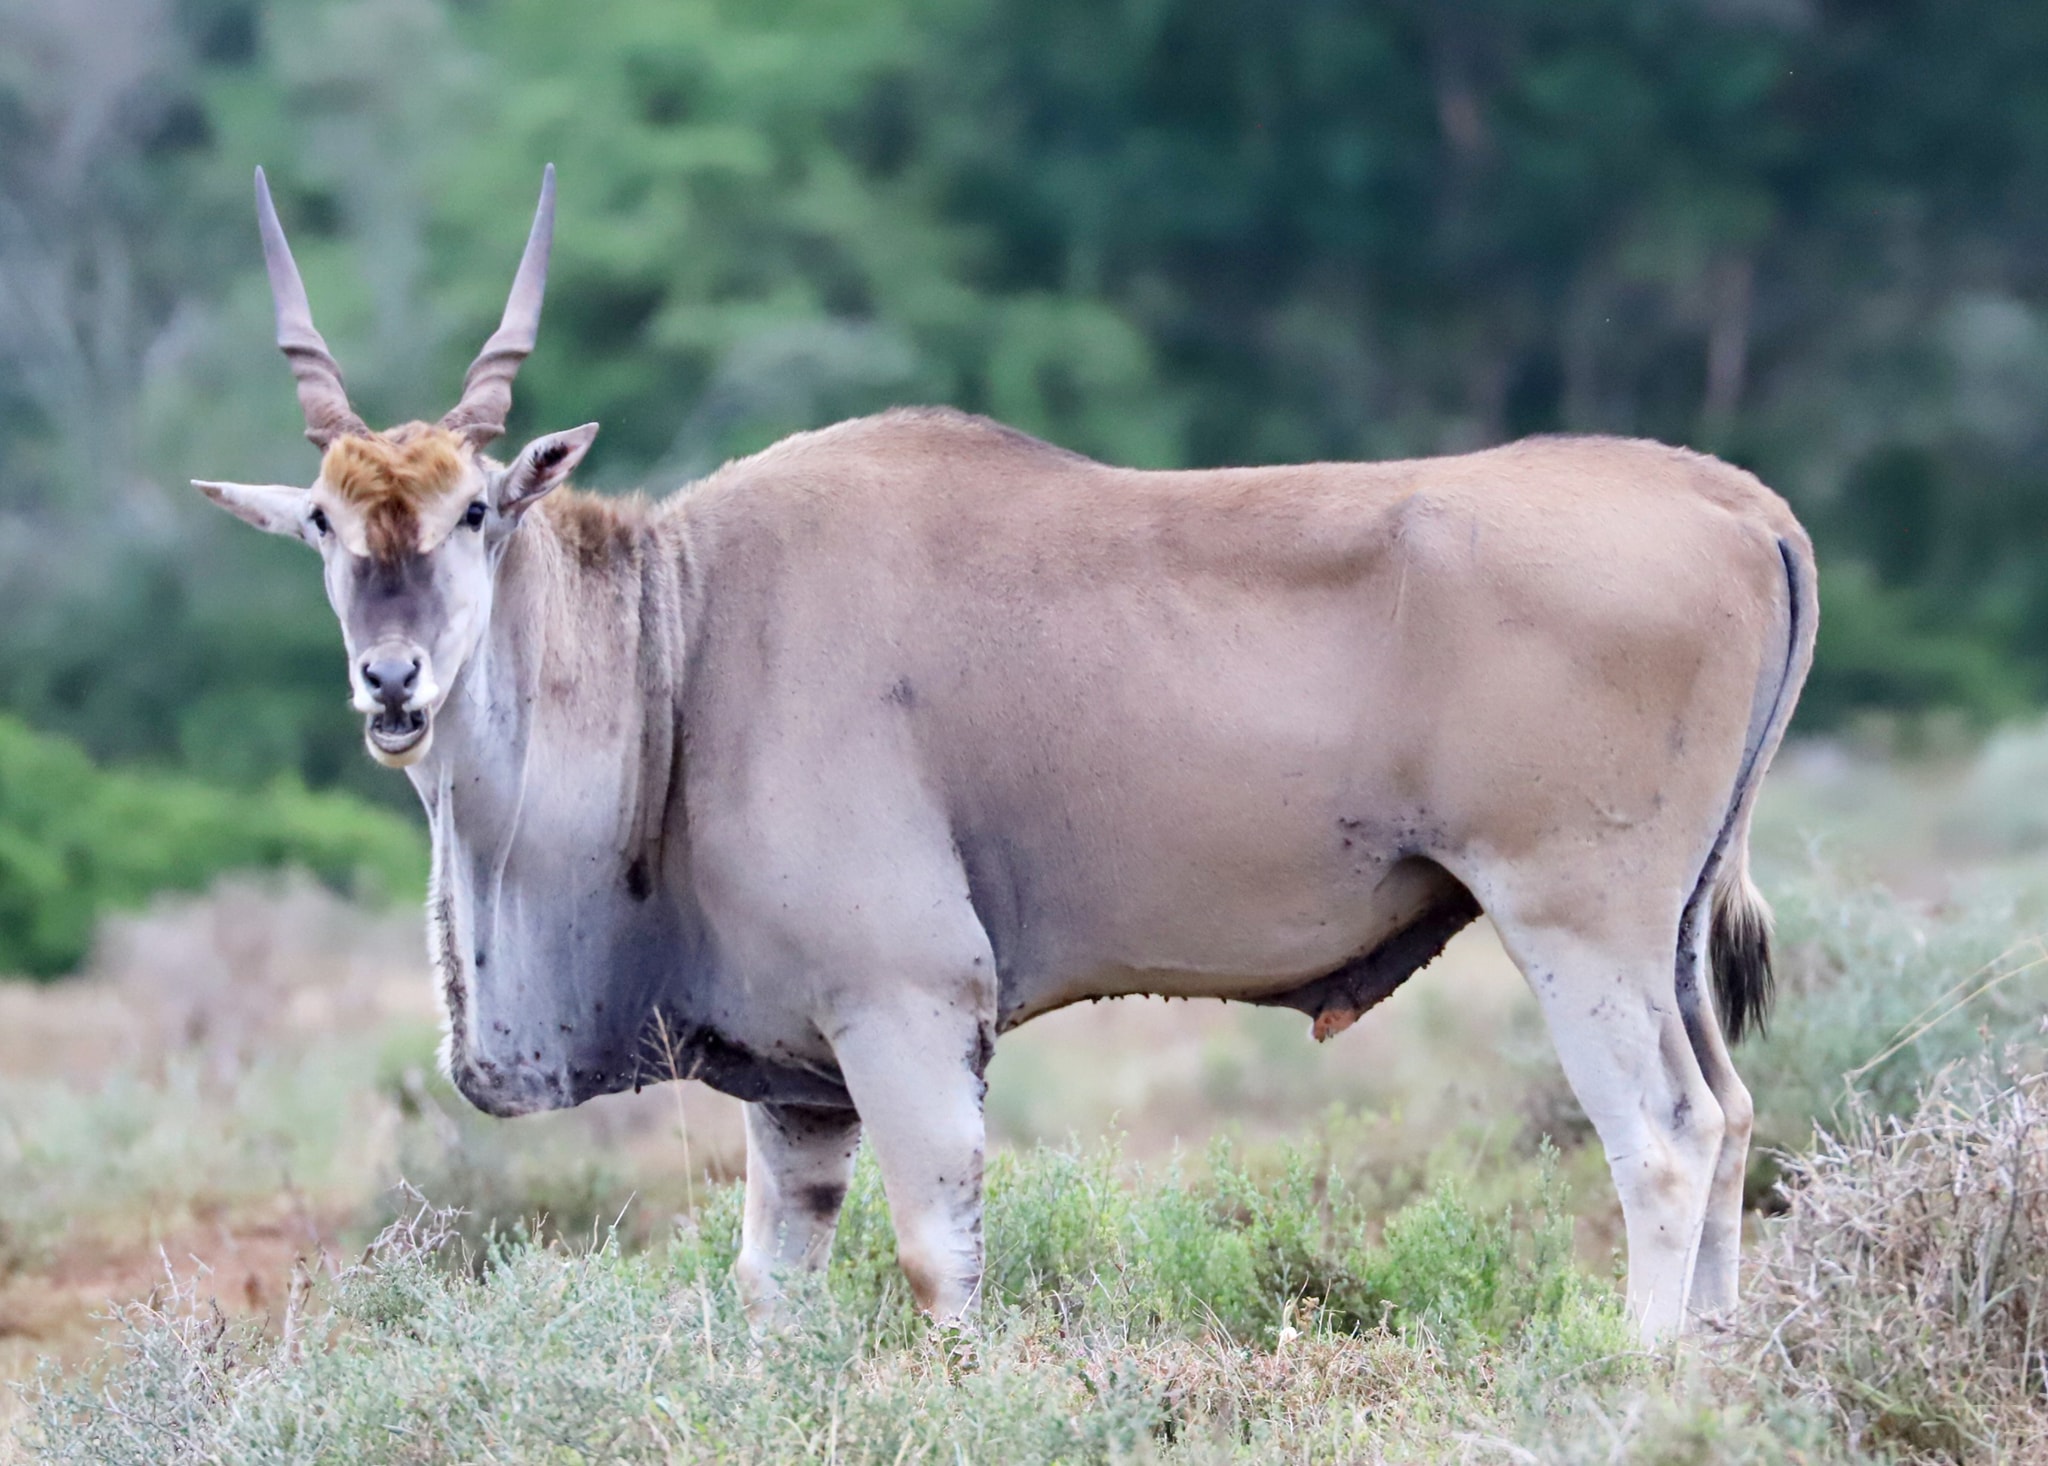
(396, 692)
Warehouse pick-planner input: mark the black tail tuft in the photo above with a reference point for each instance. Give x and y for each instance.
(1740, 950)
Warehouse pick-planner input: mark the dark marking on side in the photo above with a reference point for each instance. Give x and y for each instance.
(978, 1055)
(902, 693)
(998, 888)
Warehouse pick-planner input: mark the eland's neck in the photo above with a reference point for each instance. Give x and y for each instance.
(563, 727)
(556, 928)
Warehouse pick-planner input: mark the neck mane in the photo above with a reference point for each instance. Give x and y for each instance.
(617, 560)
(580, 665)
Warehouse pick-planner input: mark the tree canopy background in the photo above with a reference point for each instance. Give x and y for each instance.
(1811, 237)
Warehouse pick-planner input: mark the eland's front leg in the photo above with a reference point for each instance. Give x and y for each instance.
(799, 1159)
(914, 1069)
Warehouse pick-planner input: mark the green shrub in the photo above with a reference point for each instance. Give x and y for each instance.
(1238, 1249)
(77, 841)
(1895, 648)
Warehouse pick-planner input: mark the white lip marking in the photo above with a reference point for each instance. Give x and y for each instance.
(398, 749)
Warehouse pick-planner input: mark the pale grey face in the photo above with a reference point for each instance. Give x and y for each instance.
(410, 619)
(410, 583)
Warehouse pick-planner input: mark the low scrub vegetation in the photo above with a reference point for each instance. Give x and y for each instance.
(1242, 1314)
(1254, 1314)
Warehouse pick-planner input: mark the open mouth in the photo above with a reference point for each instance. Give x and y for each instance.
(396, 732)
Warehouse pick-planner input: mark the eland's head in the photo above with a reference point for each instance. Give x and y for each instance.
(411, 522)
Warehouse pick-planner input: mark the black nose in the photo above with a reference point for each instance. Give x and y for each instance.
(391, 681)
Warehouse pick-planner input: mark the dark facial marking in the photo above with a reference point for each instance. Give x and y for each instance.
(395, 596)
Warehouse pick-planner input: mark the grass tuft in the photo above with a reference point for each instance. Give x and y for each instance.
(1906, 1287)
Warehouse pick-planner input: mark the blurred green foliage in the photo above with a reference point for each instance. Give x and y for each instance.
(1806, 235)
(76, 841)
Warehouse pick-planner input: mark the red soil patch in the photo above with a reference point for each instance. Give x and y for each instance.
(243, 1263)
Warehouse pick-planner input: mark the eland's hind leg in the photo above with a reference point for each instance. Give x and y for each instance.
(1607, 992)
(799, 1161)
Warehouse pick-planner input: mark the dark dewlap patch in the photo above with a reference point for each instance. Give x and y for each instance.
(671, 1046)
(639, 885)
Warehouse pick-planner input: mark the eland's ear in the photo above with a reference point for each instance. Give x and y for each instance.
(273, 508)
(543, 464)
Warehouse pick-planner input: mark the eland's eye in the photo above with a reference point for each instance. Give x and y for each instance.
(319, 519)
(475, 517)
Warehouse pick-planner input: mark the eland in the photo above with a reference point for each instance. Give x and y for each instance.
(813, 779)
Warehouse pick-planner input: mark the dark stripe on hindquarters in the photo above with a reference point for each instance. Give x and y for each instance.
(1739, 945)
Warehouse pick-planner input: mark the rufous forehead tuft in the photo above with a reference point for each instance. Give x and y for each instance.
(392, 477)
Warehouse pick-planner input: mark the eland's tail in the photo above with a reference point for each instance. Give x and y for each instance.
(1739, 943)
(1739, 950)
